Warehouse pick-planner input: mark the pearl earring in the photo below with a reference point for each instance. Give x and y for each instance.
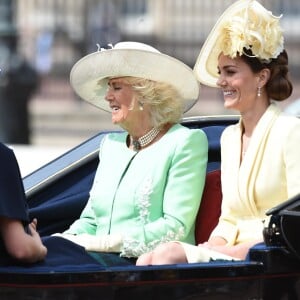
(259, 91)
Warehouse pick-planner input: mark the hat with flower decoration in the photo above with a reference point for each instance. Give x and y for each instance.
(246, 24)
(89, 76)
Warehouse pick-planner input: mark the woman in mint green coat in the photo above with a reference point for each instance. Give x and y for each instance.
(150, 178)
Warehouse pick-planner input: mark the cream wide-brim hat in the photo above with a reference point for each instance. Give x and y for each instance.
(206, 66)
(89, 76)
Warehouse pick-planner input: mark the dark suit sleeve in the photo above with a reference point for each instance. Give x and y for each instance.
(13, 202)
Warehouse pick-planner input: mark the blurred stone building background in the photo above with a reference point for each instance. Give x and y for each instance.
(46, 37)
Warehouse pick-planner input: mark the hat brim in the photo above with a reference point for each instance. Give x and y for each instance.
(206, 67)
(89, 76)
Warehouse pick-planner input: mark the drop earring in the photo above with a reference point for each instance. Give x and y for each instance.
(141, 105)
(259, 91)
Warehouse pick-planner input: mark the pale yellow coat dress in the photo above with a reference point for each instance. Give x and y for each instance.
(268, 175)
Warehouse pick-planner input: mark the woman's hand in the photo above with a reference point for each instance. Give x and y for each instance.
(238, 251)
(214, 241)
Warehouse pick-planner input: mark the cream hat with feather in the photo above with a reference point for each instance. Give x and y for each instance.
(246, 24)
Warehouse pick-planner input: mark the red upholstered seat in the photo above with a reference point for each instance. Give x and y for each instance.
(210, 207)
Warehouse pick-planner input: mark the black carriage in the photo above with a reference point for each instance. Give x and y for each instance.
(58, 191)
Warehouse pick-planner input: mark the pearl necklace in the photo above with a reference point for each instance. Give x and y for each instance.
(145, 139)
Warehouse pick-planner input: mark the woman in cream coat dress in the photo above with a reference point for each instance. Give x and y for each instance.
(245, 57)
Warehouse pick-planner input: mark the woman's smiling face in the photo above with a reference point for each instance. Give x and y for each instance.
(238, 83)
(121, 100)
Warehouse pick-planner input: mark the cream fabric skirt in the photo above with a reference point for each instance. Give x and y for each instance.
(196, 254)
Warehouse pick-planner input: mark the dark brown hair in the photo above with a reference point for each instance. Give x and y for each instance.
(279, 86)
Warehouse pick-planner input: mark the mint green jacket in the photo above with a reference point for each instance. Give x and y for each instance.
(149, 197)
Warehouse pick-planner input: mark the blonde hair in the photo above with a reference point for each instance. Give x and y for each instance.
(164, 100)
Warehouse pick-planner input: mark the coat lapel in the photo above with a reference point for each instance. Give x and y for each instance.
(253, 159)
